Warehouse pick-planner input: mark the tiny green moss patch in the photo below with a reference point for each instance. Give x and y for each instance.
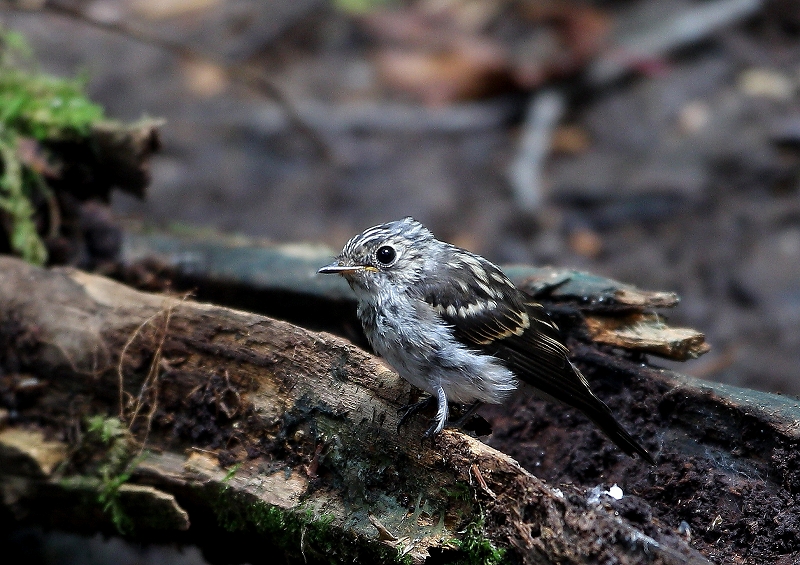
(39, 108)
(303, 534)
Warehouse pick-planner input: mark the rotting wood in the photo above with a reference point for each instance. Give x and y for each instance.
(647, 333)
(306, 421)
(112, 155)
(30, 453)
(123, 153)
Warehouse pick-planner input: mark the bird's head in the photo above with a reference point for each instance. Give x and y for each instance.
(395, 253)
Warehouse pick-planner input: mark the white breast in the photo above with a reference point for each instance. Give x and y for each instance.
(414, 340)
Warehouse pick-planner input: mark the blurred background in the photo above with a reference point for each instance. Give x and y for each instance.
(655, 142)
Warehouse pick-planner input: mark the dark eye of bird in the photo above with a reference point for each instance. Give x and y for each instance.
(385, 255)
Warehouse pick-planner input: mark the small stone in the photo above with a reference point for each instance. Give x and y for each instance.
(615, 492)
(685, 530)
(586, 243)
(766, 83)
(694, 117)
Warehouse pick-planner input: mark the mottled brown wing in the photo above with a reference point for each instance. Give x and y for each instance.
(488, 313)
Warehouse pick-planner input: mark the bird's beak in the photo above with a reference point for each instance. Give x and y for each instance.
(336, 269)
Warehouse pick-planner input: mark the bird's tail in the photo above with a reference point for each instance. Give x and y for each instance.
(582, 398)
(599, 413)
(604, 419)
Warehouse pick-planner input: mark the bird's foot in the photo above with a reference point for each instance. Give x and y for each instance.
(442, 411)
(407, 412)
(465, 418)
(434, 429)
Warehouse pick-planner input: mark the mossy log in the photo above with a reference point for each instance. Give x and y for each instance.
(727, 474)
(255, 425)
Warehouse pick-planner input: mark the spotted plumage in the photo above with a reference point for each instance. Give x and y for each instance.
(452, 323)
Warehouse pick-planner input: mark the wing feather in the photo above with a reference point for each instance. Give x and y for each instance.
(500, 320)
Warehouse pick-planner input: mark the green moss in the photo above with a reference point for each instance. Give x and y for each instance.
(459, 492)
(105, 429)
(476, 548)
(360, 6)
(39, 107)
(100, 465)
(114, 467)
(230, 474)
(302, 534)
(14, 201)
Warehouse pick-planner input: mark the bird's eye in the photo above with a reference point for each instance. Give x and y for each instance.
(385, 255)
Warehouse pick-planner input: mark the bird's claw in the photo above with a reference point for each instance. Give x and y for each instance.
(407, 412)
(432, 431)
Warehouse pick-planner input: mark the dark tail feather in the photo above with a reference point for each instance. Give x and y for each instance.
(545, 366)
(604, 420)
(600, 414)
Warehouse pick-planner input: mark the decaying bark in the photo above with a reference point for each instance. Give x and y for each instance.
(75, 176)
(259, 422)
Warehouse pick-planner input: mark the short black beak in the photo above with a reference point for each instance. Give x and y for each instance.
(336, 269)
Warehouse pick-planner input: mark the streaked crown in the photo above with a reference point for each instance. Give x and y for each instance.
(400, 232)
(395, 250)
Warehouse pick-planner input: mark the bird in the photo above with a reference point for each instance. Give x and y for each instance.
(451, 323)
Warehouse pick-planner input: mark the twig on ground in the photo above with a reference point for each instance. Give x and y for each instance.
(525, 174)
(637, 42)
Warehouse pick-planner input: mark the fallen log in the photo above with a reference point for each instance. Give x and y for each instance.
(160, 414)
(281, 281)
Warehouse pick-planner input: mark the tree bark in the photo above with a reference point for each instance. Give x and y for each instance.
(285, 435)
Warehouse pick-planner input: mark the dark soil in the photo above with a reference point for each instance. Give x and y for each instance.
(734, 509)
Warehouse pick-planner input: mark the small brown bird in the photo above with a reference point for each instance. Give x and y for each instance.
(453, 324)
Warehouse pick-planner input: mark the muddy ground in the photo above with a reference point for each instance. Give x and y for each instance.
(733, 510)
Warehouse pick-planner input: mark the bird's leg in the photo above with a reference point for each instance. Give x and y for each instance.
(406, 412)
(441, 414)
(468, 413)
